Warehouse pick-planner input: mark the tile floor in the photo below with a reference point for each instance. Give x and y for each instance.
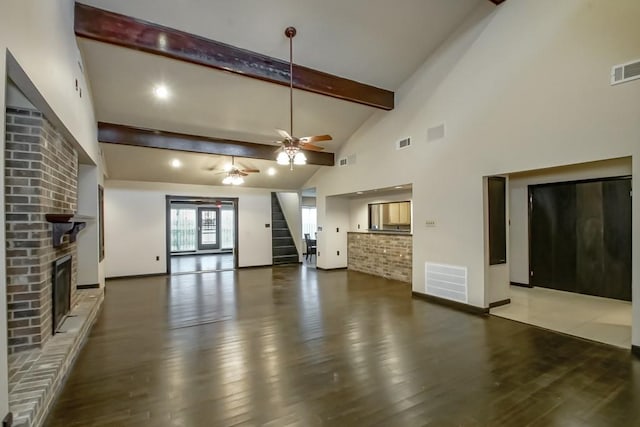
(594, 318)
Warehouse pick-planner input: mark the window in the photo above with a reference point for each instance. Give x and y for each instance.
(227, 225)
(309, 221)
(183, 229)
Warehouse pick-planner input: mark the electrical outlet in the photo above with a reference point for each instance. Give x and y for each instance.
(358, 226)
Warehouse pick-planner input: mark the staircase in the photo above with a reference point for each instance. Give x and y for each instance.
(284, 248)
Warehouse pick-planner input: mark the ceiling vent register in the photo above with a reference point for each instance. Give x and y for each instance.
(436, 133)
(403, 143)
(625, 72)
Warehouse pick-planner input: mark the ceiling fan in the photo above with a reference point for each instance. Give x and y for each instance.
(291, 146)
(234, 174)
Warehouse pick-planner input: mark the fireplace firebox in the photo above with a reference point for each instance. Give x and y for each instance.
(61, 290)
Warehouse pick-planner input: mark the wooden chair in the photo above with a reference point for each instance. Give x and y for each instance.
(311, 246)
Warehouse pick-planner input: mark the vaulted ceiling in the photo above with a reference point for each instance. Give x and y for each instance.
(374, 42)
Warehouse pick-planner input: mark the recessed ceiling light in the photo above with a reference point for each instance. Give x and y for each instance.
(161, 92)
(271, 171)
(227, 167)
(175, 163)
(359, 192)
(398, 186)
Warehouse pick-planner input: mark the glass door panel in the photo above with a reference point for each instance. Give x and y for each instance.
(208, 228)
(183, 229)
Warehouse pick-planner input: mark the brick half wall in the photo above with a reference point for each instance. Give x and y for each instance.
(381, 254)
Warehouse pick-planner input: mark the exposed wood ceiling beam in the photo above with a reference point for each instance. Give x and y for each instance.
(112, 133)
(122, 30)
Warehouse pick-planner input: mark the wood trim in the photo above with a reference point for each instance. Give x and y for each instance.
(522, 285)
(125, 31)
(90, 286)
(136, 276)
(111, 133)
(467, 308)
(635, 350)
(500, 303)
(334, 269)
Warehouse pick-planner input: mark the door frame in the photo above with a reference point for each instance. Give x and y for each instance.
(199, 200)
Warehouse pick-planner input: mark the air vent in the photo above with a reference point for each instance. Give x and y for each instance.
(343, 161)
(625, 72)
(403, 143)
(435, 133)
(446, 281)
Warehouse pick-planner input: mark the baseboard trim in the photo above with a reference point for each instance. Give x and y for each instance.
(136, 276)
(89, 286)
(331, 269)
(500, 303)
(522, 285)
(246, 267)
(635, 350)
(467, 308)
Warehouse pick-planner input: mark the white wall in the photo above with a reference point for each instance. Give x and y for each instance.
(291, 208)
(135, 224)
(521, 86)
(39, 35)
(333, 237)
(359, 208)
(88, 239)
(519, 205)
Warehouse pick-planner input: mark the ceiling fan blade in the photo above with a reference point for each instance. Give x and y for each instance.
(284, 134)
(250, 170)
(242, 173)
(316, 138)
(311, 147)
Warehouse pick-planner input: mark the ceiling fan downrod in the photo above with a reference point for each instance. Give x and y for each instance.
(290, 32)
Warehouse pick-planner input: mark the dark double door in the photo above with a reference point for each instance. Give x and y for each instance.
(580, 237)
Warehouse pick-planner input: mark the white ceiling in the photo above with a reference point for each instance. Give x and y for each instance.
(148, 164)
(378, 42)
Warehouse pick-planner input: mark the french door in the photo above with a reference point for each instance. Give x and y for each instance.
(208, 228)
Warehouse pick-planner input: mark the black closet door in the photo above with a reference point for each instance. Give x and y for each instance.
(580, 237)
(617, 238)
(553, 237)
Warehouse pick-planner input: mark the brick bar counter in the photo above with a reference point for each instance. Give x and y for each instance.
(381, 254)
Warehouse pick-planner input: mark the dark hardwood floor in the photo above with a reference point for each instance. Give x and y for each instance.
(296, 346)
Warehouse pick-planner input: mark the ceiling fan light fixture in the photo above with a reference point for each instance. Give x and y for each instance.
(237, 180)
(299, 158)
(227, 180)
(282, 159)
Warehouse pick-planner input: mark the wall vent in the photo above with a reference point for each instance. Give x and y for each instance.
(343, 161)
(403, 143)
(435, 133)
(625, 72)
(446, 281)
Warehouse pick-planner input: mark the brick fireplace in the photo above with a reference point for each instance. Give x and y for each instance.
(41, 172)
